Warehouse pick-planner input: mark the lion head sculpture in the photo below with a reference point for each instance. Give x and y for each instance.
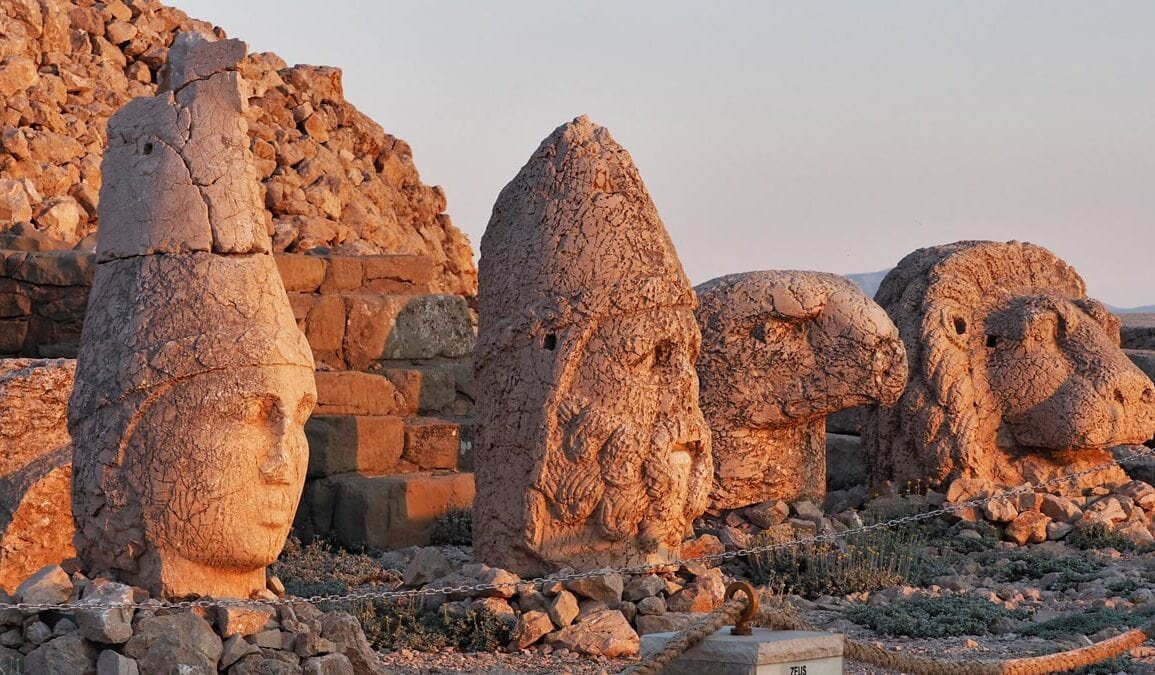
(1015, 374)
(780, 351)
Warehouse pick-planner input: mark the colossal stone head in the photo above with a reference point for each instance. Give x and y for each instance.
(1016, 375)
(591, 450)
(781, 350)
(193, 382)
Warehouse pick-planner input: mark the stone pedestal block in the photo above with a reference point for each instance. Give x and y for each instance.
(766, 652)
(431, 444)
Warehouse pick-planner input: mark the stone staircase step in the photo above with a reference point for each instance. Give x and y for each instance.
(369, 444)
(344, 392)
(381, 512)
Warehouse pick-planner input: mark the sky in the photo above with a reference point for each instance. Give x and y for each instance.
(833, 136)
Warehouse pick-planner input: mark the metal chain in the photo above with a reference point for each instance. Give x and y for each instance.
(471, 589)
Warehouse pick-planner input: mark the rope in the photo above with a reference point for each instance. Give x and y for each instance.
(687, 638)
(1032, 665)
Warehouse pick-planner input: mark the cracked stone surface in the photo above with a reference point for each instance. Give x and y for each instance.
(780, 351)
(187, 149)
(193, 381)
(35, 519)
(1016, 375)
(591, 449)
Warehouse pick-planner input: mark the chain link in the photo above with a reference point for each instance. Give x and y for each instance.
(472, 589)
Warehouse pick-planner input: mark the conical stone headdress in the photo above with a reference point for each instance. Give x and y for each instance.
(574, 237)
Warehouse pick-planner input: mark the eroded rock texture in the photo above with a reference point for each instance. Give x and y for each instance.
(590, 450)
(193, 381)
(1016, 375)
(330, 177)
(780, 351)
(35, 518)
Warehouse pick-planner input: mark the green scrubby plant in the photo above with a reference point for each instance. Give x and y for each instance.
(1098, 536)
(1090, 621)
(1072, 569)
(861, 562)
(455, 527)
(402, 625)
(1123, 587)
(934, 617)
(319, 569)
(1118, 664)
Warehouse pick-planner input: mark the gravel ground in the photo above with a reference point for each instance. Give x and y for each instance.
(405, 662)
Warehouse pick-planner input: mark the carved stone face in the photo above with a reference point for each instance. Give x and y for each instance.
(637, 372)
(1016, 375)
(590, 448)
(226, 455)
(1055, 367)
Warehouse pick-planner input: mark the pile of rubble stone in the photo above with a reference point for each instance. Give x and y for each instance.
(333, 179)
(245, 639)
(601, 615)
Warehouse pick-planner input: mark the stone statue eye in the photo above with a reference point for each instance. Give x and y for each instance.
(992, 341)
(305, 408)
(759, 332)
(549, 342)
(960, 325)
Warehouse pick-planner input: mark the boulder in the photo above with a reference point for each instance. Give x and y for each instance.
(66, 654)
(99, 623)
(182, 640)
(605, 632)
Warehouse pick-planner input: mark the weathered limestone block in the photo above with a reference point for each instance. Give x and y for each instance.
(193, 382)
(431, 444)
(1016, 375)
(301, 273)
(591, 450)
(344, 443)
(354, 393)
(322, 319)
(35, 467)
(382, 327)
(780, 351)
(391, 512)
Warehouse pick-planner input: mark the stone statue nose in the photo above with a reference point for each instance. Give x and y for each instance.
(275, 468)
(1134, 391)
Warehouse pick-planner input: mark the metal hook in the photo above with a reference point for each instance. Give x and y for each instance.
(742, 623)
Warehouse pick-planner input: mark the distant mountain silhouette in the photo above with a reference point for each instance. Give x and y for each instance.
(870, 281)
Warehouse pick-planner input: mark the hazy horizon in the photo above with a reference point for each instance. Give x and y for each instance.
(826, 136)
